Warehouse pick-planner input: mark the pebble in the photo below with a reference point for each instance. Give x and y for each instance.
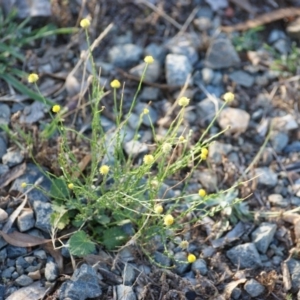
(134, 148)
(207, 75)
(26, 220)
(181, 263)
(2, 242)
(206, 110)
(7, 272)
(4, 114)
(13, 252)
(152, 74)
(279, 140)
(276, 35)
(278, 200)
(156, 51)
(263, 236)
(33, 113)
(162, 259)
(242, 78)
(294, 268)
(3, 215)
(41, 254)
(20, 261)
(284, 123)
(208, 179)
(125, 56)
(35, 275)
(199, 266)
(82, 285)
(217, 150)
(51, 271)
(244, 256)
(24, 280)
(177, 68)
(3, 149)
(3, 255)
(43, 212)
(129, 274)
(221, 54)
(293, 147)
(148, 119)
(149, 93)
(266, 177)
(236, 118)
(254, 288)
(125, 292)
(12, 158)
(202, 23)
(126, 254)
(236, 293)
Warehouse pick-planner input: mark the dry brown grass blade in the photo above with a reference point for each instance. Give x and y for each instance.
(263, 19)
(231, 286)
(12, 174)
(19, 239)
(82, 165)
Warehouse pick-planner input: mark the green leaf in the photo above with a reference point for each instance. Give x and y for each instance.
(80, 244)
(59, 188)
(59, 220)
(114, 237)
(102, 219)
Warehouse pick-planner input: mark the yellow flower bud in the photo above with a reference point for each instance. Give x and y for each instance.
(148, 159)
(202, 193)
(23, 185)
(228, 97)
(71, 186)
(148, 59)
(146, 111)
(191, 258)
(104, 170)
(166, 148)
(115, 84)
(183, 101)
(204, 151)
(168, 220)
(203, 156)
(56, 108)
(32, 78)
(158, 209)
(85, 23)
(184, 244)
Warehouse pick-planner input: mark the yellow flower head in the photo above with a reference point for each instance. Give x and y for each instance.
(204, 151)
(85, 23)
(158, 209)
(146, 111)
(71, 186)
(183, 101)
(191, 258)
(154, 183)
(166, 148)
(115, 84)
(148, 59)
(168, 220)
(56, 108)
(203, 156)
(148, 159)
(32, 78)
(184, 244)
(182, 139)
(104, 170)
(23, 185)
(202, 193)
(228, 97)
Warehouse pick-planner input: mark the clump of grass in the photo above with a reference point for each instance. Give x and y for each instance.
(122, 199)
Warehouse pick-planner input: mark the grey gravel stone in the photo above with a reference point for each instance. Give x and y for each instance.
(129, 274)
(41, 254)
(24, 280)
(158, 52)
(3, 148)
(278, 200)
(294, 268)
(82, 285)
(149, 93)
(7, 272)
(20, 261)
(3, 255)
(177, 68)
(236, 293)
(162, 259)
(242, 78)
(263, 236)
(12, 158)
(206, 110)
(26, 220)
(153, 115)
(125, 56)
(165, 192)
(202, 23)
(181, 263)
(276, 35)
(282, 46)
(244, 256)
(51, 271)
(208, 179)
(207, 75)
(200, 266)
(33, 113)
(217, 150)
(3, 215)
(285, 123)
(125, 292)
(221, 54)
(134, 148)
(279, 140)
(2, 242)
(43, 212)
(254, 288)
(13, 252)
(126, 254)
(293, 147)
(266, 177)
(152, 74)
(4, 114)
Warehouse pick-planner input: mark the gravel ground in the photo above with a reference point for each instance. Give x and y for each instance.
(240, 255)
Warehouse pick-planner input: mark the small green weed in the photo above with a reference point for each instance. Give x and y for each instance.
(121, 198)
